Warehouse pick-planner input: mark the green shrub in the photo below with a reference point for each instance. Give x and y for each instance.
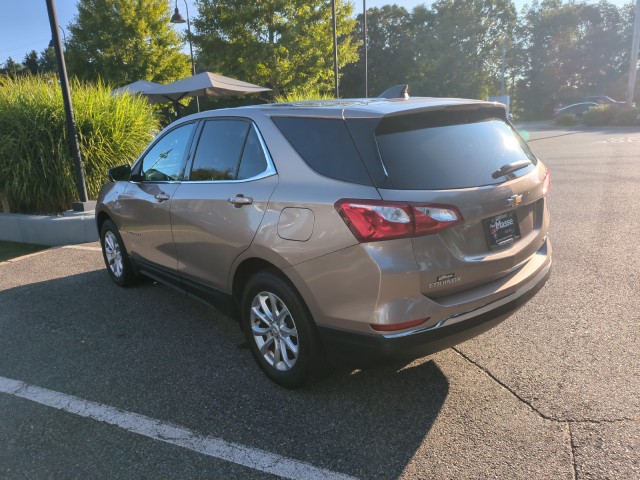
(36, 167)
(301, 94)
(626, 116)
(566, 120)
(600, 115)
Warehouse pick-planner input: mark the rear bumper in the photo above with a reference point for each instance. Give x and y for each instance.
(363, 349)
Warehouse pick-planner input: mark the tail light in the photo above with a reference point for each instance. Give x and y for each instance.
(546, 183)
(375, 220)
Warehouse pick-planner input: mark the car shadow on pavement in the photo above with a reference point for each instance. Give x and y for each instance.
(152, 351)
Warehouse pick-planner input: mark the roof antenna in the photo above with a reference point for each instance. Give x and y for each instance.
(397, 91)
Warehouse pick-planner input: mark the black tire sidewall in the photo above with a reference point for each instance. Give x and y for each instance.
(269, 281)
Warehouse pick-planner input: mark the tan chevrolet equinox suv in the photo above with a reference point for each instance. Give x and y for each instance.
(348, 229)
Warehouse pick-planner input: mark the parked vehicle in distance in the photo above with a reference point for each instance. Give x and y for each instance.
(603, 100)
(344, 230)
(577, 109)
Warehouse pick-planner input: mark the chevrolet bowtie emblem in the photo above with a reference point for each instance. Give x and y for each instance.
(514, 200)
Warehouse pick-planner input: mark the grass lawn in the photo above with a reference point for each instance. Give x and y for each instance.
(9, 250)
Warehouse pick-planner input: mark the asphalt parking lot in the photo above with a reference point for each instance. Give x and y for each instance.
(97, 381)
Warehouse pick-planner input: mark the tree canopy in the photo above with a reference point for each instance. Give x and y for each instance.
(285, 45)
(122, 41)
(556, 51)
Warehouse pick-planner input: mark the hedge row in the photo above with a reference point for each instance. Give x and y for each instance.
(36, 167)
(603, 115)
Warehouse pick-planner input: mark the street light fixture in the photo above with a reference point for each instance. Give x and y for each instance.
(178, 18)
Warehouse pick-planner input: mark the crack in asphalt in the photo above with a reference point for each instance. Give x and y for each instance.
(534, 408)
(573, 453)
(567, 422)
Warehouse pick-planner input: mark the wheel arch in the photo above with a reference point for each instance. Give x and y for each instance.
(248, 268)
(101, 218)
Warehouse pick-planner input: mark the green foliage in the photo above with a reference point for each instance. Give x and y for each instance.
(627, 116)
(280, 44)
(611, 115)
(121, 41)
(600, 115)
(571, 49)
(566, 120)
(302, 94)
(36, 168)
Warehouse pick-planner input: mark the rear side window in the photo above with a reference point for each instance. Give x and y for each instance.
(423, 154)
(219, 149)
(326, 146)
(228, 149)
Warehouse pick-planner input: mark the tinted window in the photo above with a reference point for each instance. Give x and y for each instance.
(421, 156)
(326, 146)
(164, 161)
(253, 161)
(219, 150)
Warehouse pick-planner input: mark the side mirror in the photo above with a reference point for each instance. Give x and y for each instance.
(120, 174)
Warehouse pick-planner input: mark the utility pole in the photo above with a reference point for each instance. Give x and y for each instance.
(72, 132)
(633, 63)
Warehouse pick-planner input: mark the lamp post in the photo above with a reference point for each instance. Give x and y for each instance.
(72, 131)
(366, 48)
(335, 48)
(178, 18)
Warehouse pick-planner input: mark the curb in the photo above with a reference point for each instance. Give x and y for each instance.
(69, 228)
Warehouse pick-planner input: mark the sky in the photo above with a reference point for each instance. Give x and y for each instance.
(24, 24)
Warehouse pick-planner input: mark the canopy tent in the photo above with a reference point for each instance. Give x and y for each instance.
(139, 86)
(205, 83)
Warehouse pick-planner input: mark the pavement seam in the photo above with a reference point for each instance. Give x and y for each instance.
(573, 452)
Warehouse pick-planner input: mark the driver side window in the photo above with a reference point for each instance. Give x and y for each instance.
(163, 162)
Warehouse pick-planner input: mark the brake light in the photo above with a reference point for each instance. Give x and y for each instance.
(546, 183)
(375, 220)
(393, 327)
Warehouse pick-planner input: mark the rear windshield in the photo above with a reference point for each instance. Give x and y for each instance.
(441, 151)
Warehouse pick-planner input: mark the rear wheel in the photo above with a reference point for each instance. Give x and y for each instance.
(115, 255)
(279, 329)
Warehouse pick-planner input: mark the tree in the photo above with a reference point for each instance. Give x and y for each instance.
(30, 62)
(572, 50)
(11, 67)
(392, 51)
(122, 41)
(463, 46)
(285, 45)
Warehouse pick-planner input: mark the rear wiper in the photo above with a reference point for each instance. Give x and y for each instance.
(510, 168)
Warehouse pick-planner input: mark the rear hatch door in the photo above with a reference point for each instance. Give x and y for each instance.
(469, 159)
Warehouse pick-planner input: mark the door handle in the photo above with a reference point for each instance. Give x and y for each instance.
(161, 197)
(239, 200)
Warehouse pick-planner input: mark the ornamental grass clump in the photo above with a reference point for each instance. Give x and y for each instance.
(36, 167)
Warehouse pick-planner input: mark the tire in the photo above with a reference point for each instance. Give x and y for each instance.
(115, 255)
(287, 349)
